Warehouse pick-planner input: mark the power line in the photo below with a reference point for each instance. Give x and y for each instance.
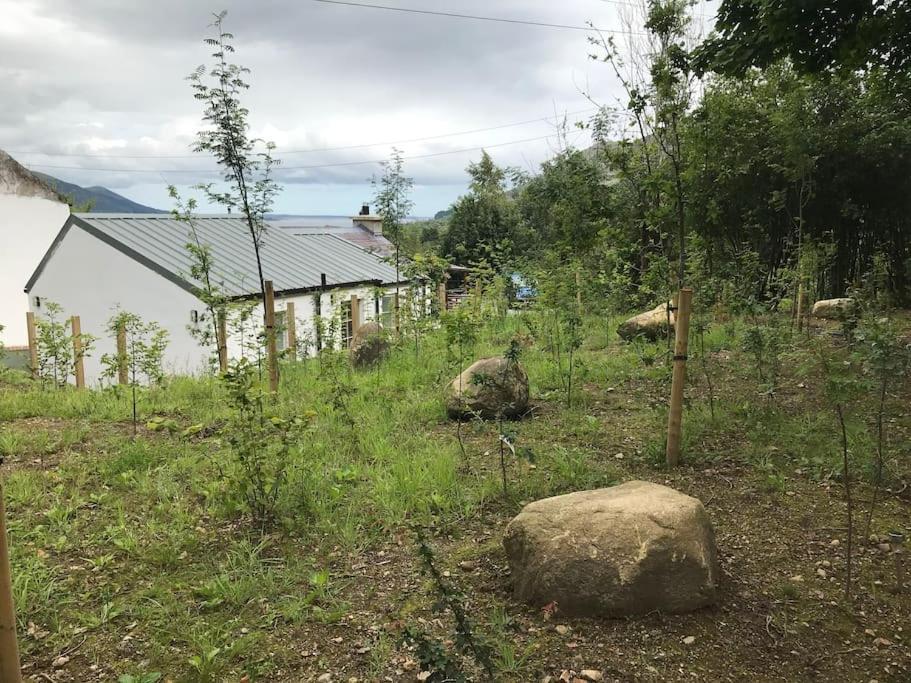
(296, 168)
(314, 149)
(476, 17)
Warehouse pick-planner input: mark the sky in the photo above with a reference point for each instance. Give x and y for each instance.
(95, 92)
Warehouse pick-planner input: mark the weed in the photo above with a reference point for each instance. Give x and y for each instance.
(433, 655)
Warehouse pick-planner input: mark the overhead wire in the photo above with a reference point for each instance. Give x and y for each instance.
(475, 17)
(363, 162)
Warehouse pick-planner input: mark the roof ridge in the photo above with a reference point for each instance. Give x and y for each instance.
(155, 216)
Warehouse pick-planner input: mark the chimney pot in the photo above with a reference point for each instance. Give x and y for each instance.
(365, 209)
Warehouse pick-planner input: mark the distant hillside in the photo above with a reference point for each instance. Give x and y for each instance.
(102, 199)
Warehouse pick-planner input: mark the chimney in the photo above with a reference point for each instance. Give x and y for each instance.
(365, 221)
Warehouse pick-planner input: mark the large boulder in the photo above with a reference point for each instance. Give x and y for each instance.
(651, 325)
(628, 549)
(833, 309)
(489, 387)
(369, 345)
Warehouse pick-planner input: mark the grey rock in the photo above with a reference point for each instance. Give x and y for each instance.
(487, 388)
(369, 345)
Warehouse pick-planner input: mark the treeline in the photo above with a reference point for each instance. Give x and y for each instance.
(744, 186)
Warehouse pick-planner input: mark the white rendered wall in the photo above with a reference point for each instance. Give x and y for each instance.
(90, 279)
(28, 225)
(304, 313)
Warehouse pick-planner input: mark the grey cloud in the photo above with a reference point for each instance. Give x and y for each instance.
(313, 65)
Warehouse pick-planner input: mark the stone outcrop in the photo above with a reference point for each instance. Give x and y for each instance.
(628, 549)
(487, 388)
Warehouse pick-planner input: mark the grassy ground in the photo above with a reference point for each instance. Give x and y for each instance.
(134, 556)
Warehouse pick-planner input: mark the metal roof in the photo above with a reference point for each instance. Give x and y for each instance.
(364, 239)
(292, 262)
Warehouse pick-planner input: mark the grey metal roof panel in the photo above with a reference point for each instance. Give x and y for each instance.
(291, 262)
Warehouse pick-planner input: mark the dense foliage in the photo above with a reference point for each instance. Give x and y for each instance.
(816, 35)
(744, 186)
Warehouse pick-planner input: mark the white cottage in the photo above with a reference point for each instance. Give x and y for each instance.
(139, 263)
(31, 213)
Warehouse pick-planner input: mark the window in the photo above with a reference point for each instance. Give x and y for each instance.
(387, 310)
(347, 328)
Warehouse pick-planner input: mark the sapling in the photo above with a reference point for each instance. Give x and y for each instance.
(201, 270)
(145, 347)
(56, 353)
(887, 359)
(260, 441)
(765, 344)
(248, 182)
(561, 321)
(337, 370)
(393, 205)
(700, 325)
(506, 438)
(412, 320)
(842, 386)
(461, 326)
(242, 326)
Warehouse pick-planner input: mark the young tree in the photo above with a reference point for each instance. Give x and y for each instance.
(650, 155)
(56, 352)
(201, 270)
(485, 224)
(887, 360)
(393, 204)
(461, 326)
(145, 346)
(560, 318)
(250, 186)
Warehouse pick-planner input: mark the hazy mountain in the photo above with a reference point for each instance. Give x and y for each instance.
(102, 199)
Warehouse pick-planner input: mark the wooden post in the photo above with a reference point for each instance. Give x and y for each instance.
(222, 340)
(78, 353)
(271, 346)
(291, 324)
(122, 375)
(10, 671)
(355, 315)
(801, 304)
(441, 295)
(32, 342)
(675, 414)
